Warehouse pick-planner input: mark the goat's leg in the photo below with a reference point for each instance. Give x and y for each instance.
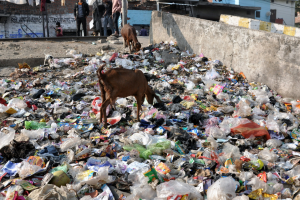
(129, 45)
(139, 105)
(103, 98)
(125, 43)
(103, 110)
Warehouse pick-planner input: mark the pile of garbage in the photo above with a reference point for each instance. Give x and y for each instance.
(215, 136)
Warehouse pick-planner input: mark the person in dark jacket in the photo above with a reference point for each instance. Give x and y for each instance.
(143, 32)
(81, 11)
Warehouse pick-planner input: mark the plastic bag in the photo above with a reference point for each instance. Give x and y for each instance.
(242, 109)
(222, 189)
(11, 192)
(72, 142)
(3, 108)
(213, 143)
(278, 187)
(294, 172)
(216, 132)
(142, 192)
(266, 154)
(33, 134)
(122, 101)
(34, 125)
(251, 129)
(50, 191)
(243, 197)
(273, 143)
(256, 183)
(7, 134)
(226, 109)
(27, 169)
(174, 187)
(212, 74)
(246, 176)
(190, 85)
(17, 103)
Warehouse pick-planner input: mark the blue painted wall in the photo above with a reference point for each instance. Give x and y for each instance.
(138, 17)
(264, 4)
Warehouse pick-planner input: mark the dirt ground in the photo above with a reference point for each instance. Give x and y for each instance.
(32, 52)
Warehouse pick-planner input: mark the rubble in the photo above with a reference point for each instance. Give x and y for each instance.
(215, 135)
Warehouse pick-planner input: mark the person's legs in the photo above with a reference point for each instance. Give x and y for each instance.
(78, 22)
(106, 18)
(111, 24)
(116, 18)
(84, 26)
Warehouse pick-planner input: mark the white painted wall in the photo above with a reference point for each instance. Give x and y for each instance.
(34, 22)
(285, 10)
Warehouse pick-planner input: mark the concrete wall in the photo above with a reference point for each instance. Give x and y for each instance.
(285, 10)
(12, 27)
(214, 13)
(263, 57)
(260, 25)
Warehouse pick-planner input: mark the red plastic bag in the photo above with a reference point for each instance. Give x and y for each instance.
(3, 101)
(113, 57)
(96, 105)
(249, 129)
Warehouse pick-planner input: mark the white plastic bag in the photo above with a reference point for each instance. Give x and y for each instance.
(267, 155)
(242, 109)
(256, 183)
(244, 197)
(190, 85)
(174, 187)
(7, 134)
(222, 189)
(69, 144)
(246, 176)
(212, 74)
(17, 103)
(33, 134)
(145, 192)
(216, 132)
(27, 169)
(273, 143)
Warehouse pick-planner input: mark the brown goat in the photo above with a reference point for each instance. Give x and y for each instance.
(119, 82)
(129, 34)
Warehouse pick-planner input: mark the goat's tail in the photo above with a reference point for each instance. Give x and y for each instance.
(99, 71)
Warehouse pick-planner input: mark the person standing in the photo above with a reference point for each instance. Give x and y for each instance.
(81, 11)
(58, 30)
(98, 11)
(108, 16)
(143, 32)
(116, 10)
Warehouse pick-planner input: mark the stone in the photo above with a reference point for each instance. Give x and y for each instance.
(170, 57)
(104, 47)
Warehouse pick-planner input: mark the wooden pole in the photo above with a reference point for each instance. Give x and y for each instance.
(124, 12)
(124, 16)
(47, 20)
(43, 17)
